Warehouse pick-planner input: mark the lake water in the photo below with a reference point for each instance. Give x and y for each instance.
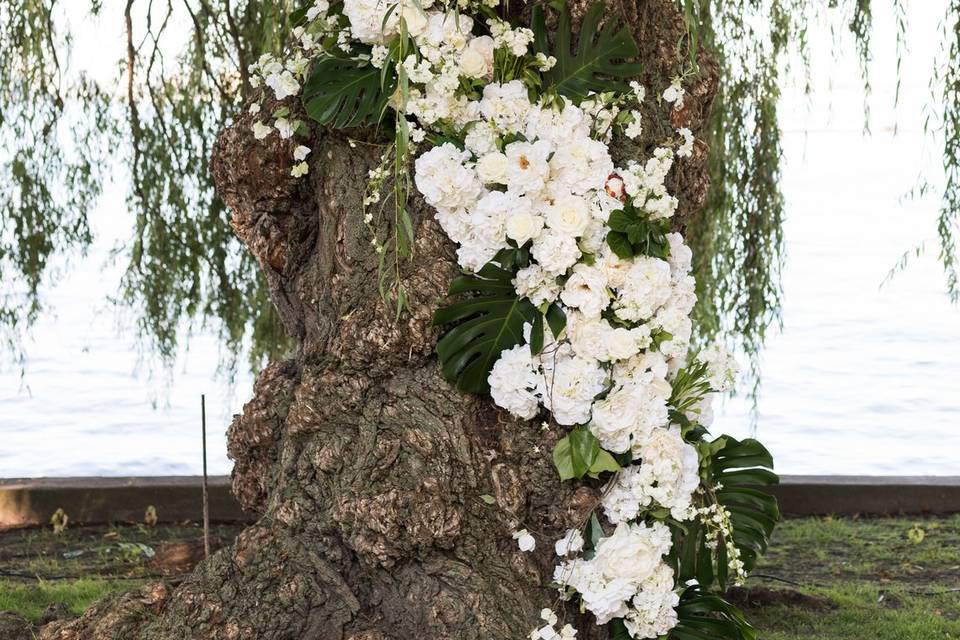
(861, 380)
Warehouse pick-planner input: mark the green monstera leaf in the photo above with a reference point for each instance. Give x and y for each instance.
(703, 615)
(488, 322)
(343, 92)
(600, 60)
(739, 467)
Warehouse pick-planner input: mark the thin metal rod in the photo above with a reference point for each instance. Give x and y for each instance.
(206, 501)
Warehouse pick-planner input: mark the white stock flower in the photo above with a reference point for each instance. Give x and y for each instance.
(448, 29)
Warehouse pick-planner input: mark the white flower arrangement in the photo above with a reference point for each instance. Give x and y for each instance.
(514, 169)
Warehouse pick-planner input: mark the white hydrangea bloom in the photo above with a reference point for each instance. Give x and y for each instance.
(580, 165)
(444, 180)
(722, 367)
(670, 470)
(653, 610)
(569, 384)
(513, 382)
(536, 284)
(586, 290)
(645, 289)
(505, 104)
(631, 412)
(556, 252)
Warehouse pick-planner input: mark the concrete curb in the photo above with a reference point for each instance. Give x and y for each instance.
(92, 500)
(89, 500)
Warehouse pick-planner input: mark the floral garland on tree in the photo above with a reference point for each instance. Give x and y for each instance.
(580, 295)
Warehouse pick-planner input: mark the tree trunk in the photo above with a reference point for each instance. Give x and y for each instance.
(367, 469)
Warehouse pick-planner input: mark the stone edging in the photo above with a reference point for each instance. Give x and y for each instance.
(31, 501)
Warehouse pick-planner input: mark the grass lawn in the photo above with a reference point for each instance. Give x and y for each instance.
(823, 578)
(869, 579)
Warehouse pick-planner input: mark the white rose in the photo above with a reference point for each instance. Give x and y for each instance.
(523, 226)
(633, 552)
(476, 61)
(492, 167)
(569, 215)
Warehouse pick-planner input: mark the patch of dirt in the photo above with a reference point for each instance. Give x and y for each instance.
(756, 597)
(126, 551)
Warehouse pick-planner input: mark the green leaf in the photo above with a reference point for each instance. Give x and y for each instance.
(556, 319)
(488, 322)
(739, 466)
(344, 92)
(620, 245)
(604, 462)
(536, 336)
(487, 498)
(577, 453)
(703, 616)
(597, 63)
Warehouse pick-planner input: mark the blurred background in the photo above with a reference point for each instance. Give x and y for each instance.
(862, 379)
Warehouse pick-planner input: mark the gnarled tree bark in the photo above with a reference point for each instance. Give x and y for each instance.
(366, 467)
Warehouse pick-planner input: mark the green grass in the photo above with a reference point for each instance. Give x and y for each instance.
(822, 579)
(859, 579)
(29, 600)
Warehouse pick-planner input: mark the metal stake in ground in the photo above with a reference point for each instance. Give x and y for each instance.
(206, 501)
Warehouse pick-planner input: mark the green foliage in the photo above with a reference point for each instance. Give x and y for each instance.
(579, 454)
(702, 615)
(598, 63)
(634, 233)
(738, 467)
(488, 322)
(345, 92)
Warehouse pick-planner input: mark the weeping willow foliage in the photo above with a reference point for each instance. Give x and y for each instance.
(64, 136)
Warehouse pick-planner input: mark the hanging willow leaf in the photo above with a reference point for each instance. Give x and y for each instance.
(344, 92)
(599, 59)
(487, 323)
(739, 467)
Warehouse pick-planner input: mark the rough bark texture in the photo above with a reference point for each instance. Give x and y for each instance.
(365, 466)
